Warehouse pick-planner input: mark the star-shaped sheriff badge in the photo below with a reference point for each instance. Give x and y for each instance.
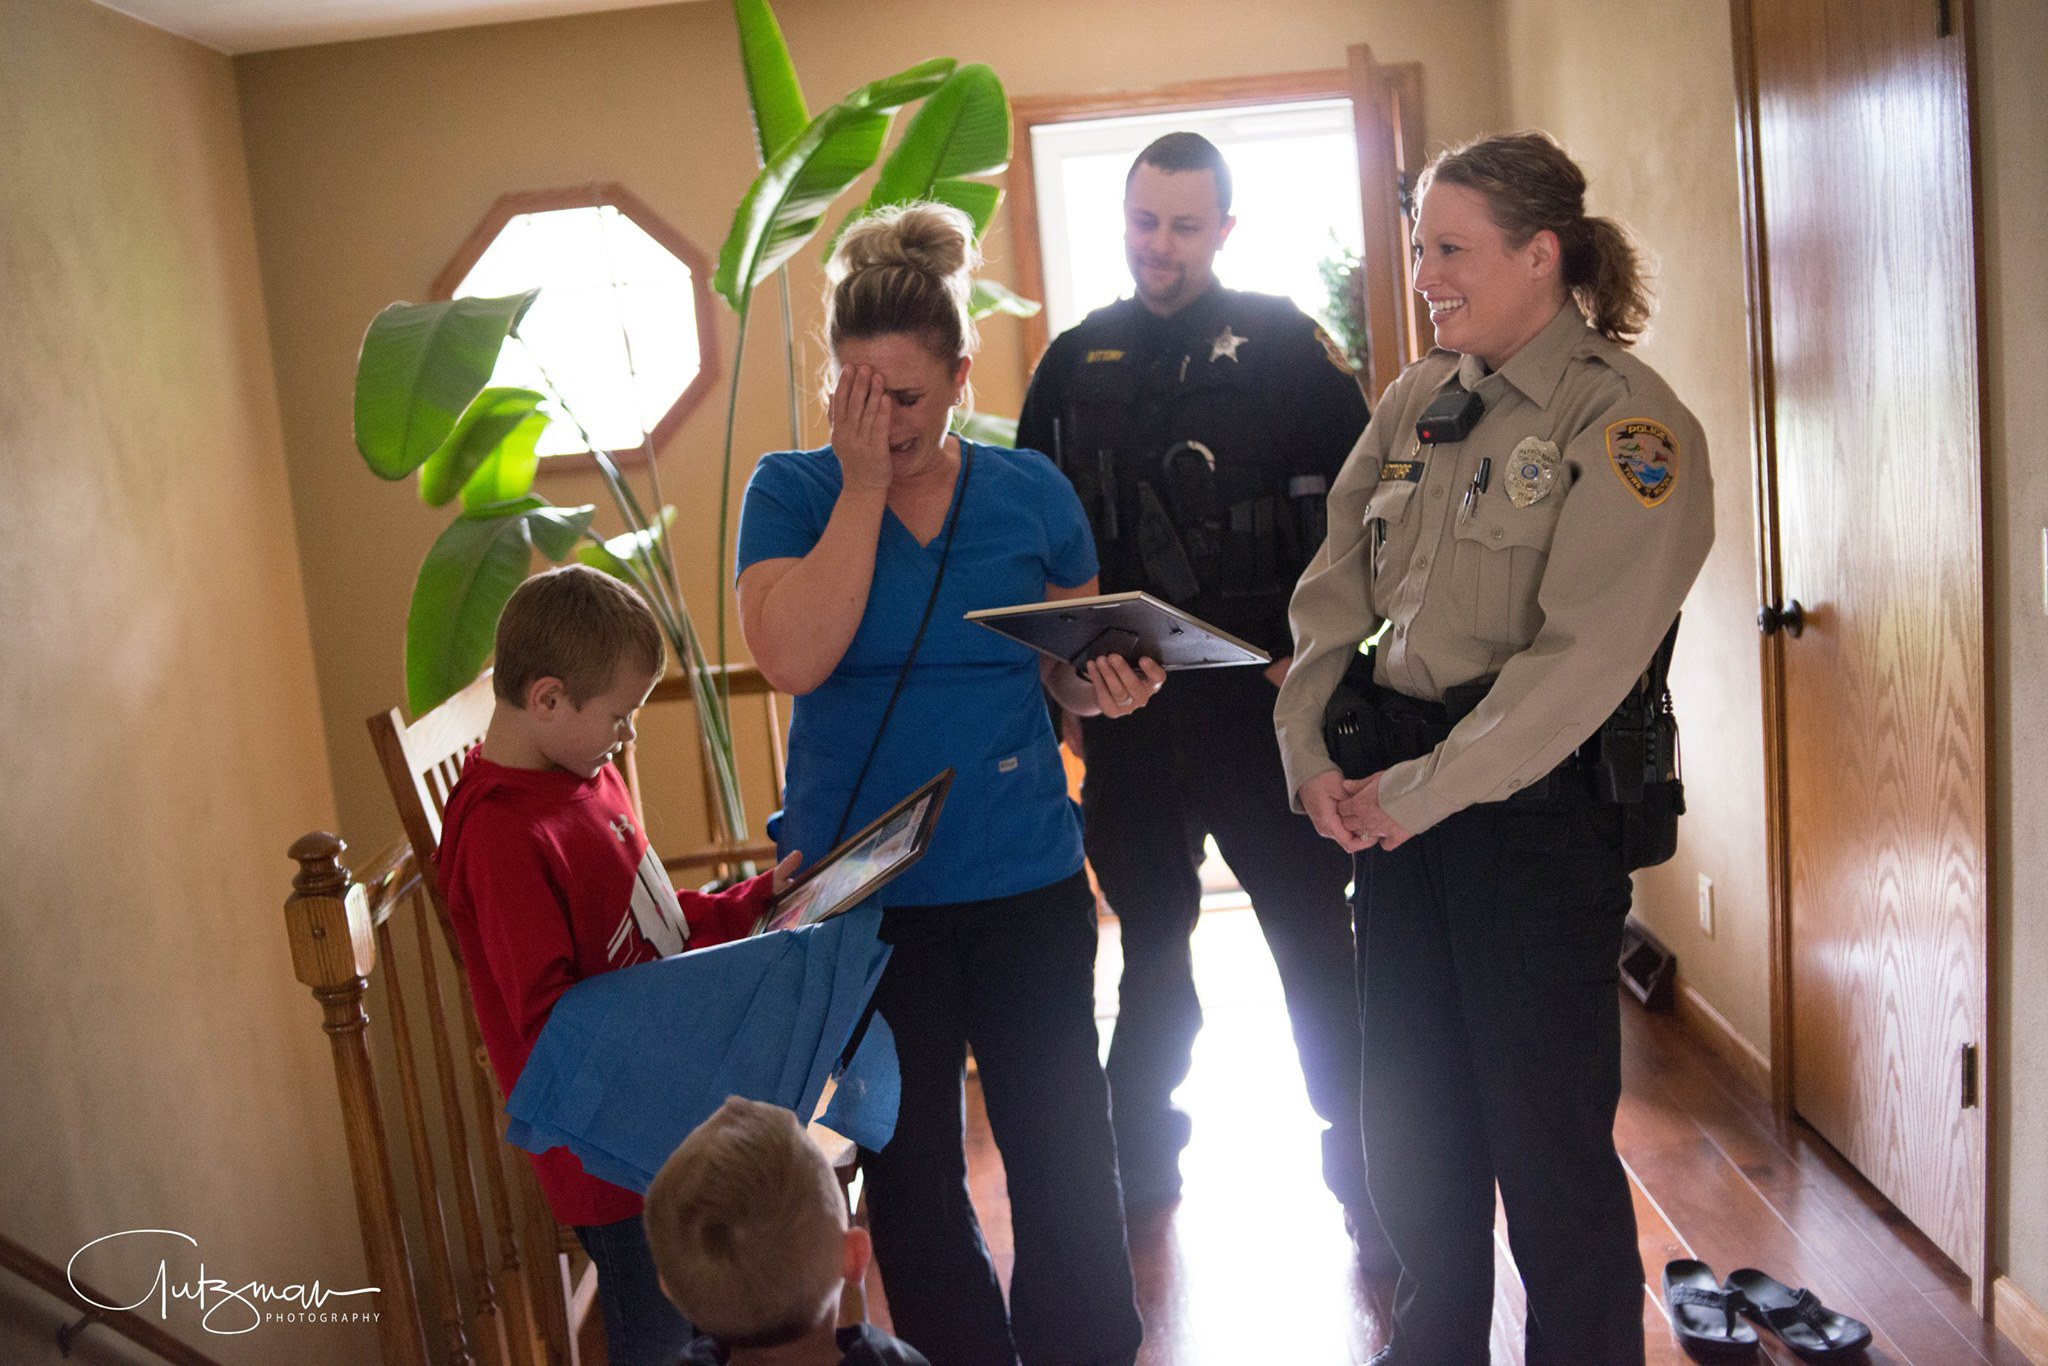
(1223, 346)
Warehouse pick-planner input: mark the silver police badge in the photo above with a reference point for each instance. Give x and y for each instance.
(1532, 470)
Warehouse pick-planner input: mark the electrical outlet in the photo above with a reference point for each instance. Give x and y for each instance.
(1706, 906)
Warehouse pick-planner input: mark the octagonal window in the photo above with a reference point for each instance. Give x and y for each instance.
(622, 328)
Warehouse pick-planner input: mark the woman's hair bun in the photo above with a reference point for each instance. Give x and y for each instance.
(933, 239)
(905, 269)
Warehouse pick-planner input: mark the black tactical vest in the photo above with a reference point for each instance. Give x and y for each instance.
(1169, 439)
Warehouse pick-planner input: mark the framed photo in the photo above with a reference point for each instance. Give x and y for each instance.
(858, 868)
(1134, 625)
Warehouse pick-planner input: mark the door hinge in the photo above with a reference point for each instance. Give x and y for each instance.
(1969, 1076)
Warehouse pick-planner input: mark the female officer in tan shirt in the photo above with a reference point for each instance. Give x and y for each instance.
(1543, 541)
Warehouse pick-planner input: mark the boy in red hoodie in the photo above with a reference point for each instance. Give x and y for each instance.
(549, 880)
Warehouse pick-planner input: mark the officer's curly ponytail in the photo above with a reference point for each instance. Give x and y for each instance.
(1530, 184)
(906, 269)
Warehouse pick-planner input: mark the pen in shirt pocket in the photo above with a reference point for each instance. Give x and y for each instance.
(1477, 487)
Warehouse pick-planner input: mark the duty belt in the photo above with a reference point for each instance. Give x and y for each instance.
(1368, 728)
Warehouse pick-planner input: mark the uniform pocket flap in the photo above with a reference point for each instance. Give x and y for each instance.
(1497, 523)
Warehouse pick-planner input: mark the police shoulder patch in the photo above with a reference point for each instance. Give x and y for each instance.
(1334, 351)
(1645, 457)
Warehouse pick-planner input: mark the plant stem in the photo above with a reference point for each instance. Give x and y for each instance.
(796, 436)
(653, 572)
(732, 407)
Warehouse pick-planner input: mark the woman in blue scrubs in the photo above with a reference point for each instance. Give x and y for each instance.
(851, 558)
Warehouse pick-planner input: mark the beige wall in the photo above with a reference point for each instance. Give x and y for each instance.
(370, 161)
(2012, 108)
(1660, 156)
(159, 727)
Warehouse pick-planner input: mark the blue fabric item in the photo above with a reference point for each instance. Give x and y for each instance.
(631, 1061)
(972, 701)
(864, 1104)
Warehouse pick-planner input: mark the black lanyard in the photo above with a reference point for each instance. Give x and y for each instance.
(945, 553)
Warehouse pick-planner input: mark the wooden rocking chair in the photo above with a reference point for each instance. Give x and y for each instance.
(516, 1296)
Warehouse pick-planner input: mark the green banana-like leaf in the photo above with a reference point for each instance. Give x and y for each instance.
(463, 585)
(636, 546)
(773, 94)
(507, 472)
(962, 129)
(991, 297)
(975, 198)
(987, 428)
(494, 418)
(788, 199)
(419, 369)
(557, 531)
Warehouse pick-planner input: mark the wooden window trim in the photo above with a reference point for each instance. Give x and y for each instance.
(596, 195)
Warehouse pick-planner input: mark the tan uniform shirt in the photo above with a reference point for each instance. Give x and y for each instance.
(1561, 576)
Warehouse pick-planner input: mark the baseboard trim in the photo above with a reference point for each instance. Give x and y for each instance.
(1711, 1027)
(2021, 1320)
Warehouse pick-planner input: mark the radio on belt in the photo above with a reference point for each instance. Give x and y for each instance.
(1450, 417)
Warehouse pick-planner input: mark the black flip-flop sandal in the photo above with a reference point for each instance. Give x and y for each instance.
(1705, 1317)
(1807, 1326)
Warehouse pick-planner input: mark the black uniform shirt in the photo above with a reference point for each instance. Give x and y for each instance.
(1254, 381)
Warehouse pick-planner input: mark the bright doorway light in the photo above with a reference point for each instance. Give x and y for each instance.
(1294, 169)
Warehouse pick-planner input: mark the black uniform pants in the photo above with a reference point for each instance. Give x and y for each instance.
(1201, 760)
(1487, 949)
(1014, 978)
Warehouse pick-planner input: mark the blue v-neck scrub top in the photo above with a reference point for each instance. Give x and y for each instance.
(972, 701)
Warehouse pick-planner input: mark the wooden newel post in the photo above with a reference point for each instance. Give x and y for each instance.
(328, 922)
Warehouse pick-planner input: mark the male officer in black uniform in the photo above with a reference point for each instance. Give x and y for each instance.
(1201, 427)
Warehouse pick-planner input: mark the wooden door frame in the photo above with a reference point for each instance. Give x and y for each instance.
(1770, 589)
(1769, 569)
(1386, 106)
(1028, 112)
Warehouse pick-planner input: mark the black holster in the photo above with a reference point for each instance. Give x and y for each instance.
(1367, 728)
(1632, 761)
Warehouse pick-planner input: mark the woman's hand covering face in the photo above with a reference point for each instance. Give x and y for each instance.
(860, 411)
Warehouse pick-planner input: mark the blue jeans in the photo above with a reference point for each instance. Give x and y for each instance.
(641, 1327)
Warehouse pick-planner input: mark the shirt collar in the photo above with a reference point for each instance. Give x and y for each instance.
(1538, 368)
(1179, 328)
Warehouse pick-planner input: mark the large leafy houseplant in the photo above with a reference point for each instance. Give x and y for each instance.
(424, 404)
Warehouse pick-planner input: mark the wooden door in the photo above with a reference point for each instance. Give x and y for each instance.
(1864, 252)
(1386, 112)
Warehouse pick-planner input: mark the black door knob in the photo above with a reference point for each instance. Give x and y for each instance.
(1791, 618)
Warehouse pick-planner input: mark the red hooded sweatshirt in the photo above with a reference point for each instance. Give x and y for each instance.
(549, 880)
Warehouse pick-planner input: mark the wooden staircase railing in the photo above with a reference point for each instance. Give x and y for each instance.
(509, 1300)
(90, 1302)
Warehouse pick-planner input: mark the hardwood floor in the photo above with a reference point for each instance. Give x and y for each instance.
(1256, 1243)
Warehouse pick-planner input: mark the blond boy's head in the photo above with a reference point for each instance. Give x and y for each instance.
(576, 625)
(748, 1228)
